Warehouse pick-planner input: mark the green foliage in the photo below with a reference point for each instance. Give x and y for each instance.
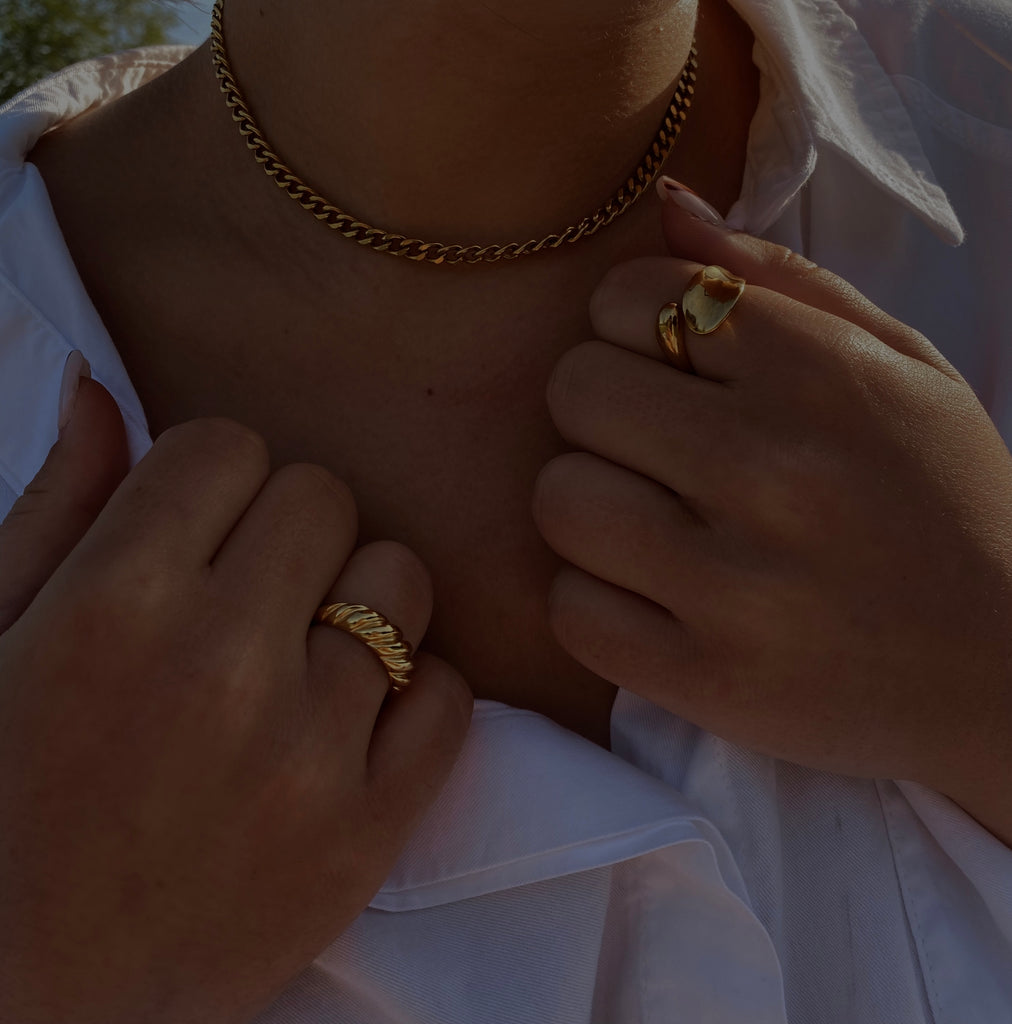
(38, 37)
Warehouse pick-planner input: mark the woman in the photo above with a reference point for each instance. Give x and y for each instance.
(794, 512)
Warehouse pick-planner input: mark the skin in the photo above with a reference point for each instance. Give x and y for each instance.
(804, 547)
(445, 388)
(198, 793)
(726, 602)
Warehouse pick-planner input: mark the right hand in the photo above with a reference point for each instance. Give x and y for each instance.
(198, 791)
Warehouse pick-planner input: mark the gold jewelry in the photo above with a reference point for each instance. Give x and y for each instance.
(435, 252)
(370, 627)
(671, 338)
(709, 299)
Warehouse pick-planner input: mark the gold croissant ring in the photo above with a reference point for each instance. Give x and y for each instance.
(706, 304)
(371, 628)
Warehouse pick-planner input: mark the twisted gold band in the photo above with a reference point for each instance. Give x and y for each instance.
(435, 252)
(370, 627)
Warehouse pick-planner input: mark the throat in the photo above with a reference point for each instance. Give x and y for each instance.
(460, 122)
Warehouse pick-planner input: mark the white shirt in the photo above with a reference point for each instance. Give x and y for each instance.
(678, 878)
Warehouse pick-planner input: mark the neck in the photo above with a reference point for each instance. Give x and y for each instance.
(226, 299)
(451, 121)
(492, 149)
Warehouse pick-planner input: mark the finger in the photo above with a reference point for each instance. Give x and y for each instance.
(778, 346)
(639, 646)
(779, 269)
(346, 674)
(283, 555)
(83, 469)
(391, 579)
(766, 333)
(182, 499)
(627, 530)
(687, 433)
(621, 636)
(624, 310)
(417, 738)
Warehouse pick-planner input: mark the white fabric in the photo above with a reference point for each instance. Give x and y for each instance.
(678, 878)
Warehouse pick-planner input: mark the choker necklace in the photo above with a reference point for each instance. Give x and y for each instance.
(434, 252)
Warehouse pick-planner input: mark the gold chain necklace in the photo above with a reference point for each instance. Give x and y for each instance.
(434, 252)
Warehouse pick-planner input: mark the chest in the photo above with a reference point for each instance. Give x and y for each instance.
(424, 392)
(441, 457)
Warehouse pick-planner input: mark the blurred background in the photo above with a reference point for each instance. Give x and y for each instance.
(38, 37)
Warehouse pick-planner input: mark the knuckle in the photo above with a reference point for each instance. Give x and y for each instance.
(229, 441)
(315, 492)
(817, 496)
(461, 701)
(577, 364)
(361, 671)
(615, 283)
(623, 278)
(409, 568)
(560, 383)
(564, 619)
(298, 783)
(551, 492)
(405, 573)
(138, 589)
(453, 700)
(797, 265)
(551, 480)
(24, 511)
(827, 379)
(793, 486)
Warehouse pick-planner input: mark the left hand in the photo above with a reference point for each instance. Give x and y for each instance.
(805, 549)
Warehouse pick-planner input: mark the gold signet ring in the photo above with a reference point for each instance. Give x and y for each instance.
(371, 628)
(709, 299)
(671, 339)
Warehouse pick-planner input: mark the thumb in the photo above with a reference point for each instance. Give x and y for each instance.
(84, 467)
(694, 230)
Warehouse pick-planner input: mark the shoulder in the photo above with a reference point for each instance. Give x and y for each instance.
(73, 91)
(45, 311)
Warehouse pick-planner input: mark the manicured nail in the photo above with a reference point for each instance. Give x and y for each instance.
(74, 369)
(692, 204)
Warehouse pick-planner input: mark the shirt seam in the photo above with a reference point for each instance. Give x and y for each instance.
(909, 904)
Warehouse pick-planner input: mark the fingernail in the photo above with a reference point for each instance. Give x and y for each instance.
(692, 204)
(74, 369)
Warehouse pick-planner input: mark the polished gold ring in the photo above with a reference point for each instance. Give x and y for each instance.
(705, 305)
(671, 338)
(709, 299)
(371, 628)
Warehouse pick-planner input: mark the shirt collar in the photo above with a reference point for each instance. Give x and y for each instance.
(821, 82)
(73, 91)
(528, 801)
(45, 297)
